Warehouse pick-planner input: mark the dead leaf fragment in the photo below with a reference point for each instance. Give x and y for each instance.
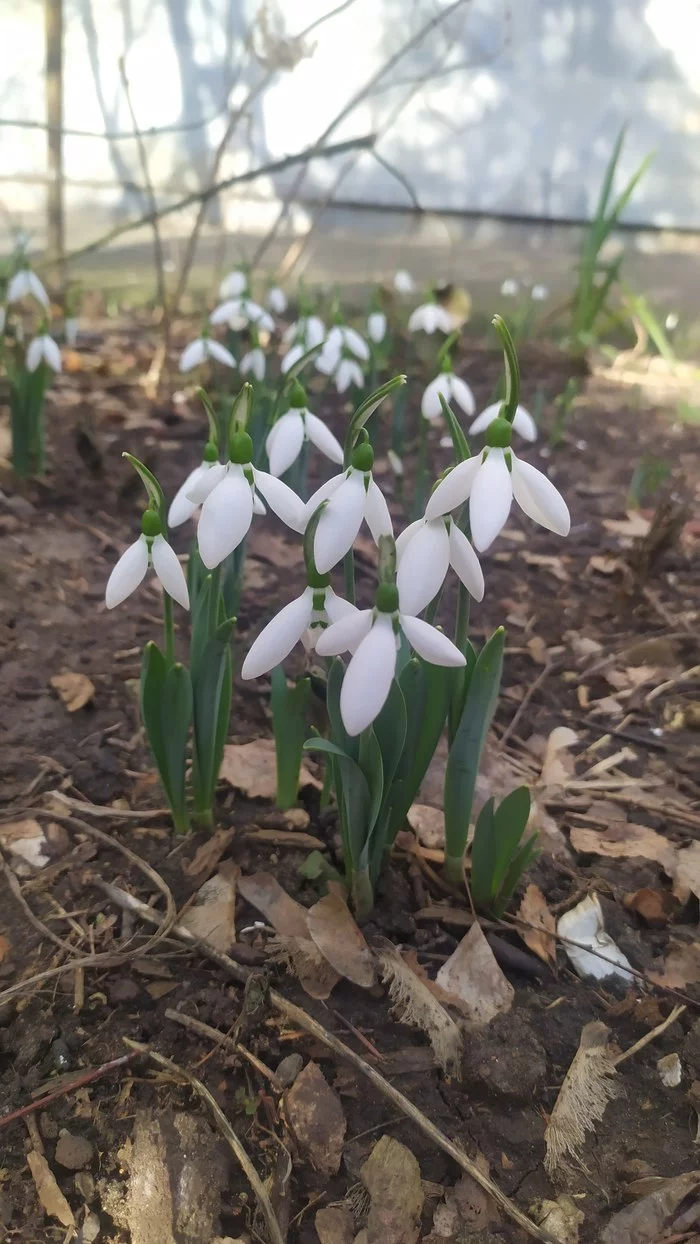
(316, 1119)
(337, 936)
(25, 839)
(656, 907)
(670, 1070)
(622, 840)
(558, 765)
(212, 915)
(473, 978)
(561, 1218)
(630, 528)
(588, 1087)
(52, 1199)
(686, 872)
(4, 948)
(264, 891)
(540, 939)
(644, 1221)
(208, 855)
(75, 690)
(335, 1225)
(428, 824)
(391, 1175)
(681, 967)
(466, 1205)
(252, 768)
(415, 1003)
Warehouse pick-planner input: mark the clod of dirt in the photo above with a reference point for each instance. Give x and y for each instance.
(90, 1228)
(317, 1120)
(178, 1172)
(289, 1069)
(48, 1125)
(84, 1185)
(391, 1175)
(646, 1219)
(505, 1060)
(74, 1152)
(335, 1225)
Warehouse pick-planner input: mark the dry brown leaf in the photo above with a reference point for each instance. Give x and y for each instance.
(252, 768)
(75, 690)
(415, 1003)
(4, 947)
(304, 960)
(212, 914)
(656, 907)
(588, 1087)
(681, 967)
(625, 841)
(335, 1225)
(685, 872)
(558, 765)
(646, 1220)
(335, 933)
(208, 855)
(286, 916)
(605, 565)
(466, 1205)
(473, 978)
(538, 651)
(285, 838)
(632, 527)
(561, 1218)
(630, 677)
(316, 1119)
(391, 1175)
(52, 1199)
(25, 839)
(428, 824)
(548, 562)
(534, 910)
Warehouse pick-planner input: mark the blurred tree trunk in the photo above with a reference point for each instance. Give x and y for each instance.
(55, 235)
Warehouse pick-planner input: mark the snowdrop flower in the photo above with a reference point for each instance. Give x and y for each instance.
(239, 312)
(539, 293)
(308, 331)
(303, 619)
(43, 349)
(510, 288)
(453, 389)
(277, 300)
(229, 498)
(429, 316)
(490, 480)
(424, 552)
(201, 349)
(403, 282)
(181, 507)
(344, 371)
(253, 361)
(523, 423)
(376, 326)
(26, 284)
(287, 435)
(341, 337)
(374, 636)
(151, 549)
(351, 497)
(234, 284)
(71, 326)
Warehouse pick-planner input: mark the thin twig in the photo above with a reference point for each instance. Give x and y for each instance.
(222, 1039)
(650, 1036)
(227, 1132)
(534, 686)
(35, 922)
(150, 192)
(99, 811)
(88, 1077)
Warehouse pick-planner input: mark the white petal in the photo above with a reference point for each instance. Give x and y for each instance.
(225, 519)
(407, 535)
(430, 407)
(337, 607)
(403, 282)
(369, 676)
(182, 507)
(258, 507)
(198, 492)
(192, 355)
(339, 522)
(284, 442)
(377, 516)
(486, 417)
(36, 288)
(314, 331)
(291, 357)
(510, 287)
(290, 333)
(34, 355)
(356, 343)
(258, 364)
(128, 573)
(322, 494)
(423, 566)
(462, 395)
(220, 353)
(465, 563)
(423, 317)
(323, 438)
(169, 571)
(226, 311)
(431, 644)
(233, 284)
(345, 634)
(490, 499)
(19, 286)
(349, 372)
(376, 326)
(538, 497)
(277, 300)
(280, 635)
(444, 319)
(524, 424)
(327, 361)
(52, 353)
(281, 499)
(454, 489)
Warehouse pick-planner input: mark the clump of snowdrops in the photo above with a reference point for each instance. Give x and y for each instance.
(391, 680)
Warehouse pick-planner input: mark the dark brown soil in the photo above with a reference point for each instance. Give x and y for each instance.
(59, 539)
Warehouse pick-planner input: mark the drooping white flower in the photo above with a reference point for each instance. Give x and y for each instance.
(510, 288)
(71, 327)
(234, 284)
(373, 636)
(453, 389)
(308, 331)
(539, 293)
(131, 569)
(254, 362)
(43, 349)
(352, 496)
(229, 498)
(287, 435)
(201, 349)
(291, 357)
(490, 480)
(395, 462)
(403, 282)
(26, 284)
(342, 337)
(429, 316)
(344, 371)
(302, 620)
(181, 506)
(424, 552)
(277, 300)
(523, 423)
(376, 326)
(238, 313)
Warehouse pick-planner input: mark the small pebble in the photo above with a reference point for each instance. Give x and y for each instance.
(73, 1152)
(90, 1228)
(84, 1185)
(289, 1069)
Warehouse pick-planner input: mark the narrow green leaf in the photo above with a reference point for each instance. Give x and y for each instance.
(483, 857)
(212, 685)
(153, 671)
(460, 445)
(426, 692)
(289, 714)
(154, 491)
(176, 718)
(354, 800)
(518, 866)
(366, 410)
(510, 821)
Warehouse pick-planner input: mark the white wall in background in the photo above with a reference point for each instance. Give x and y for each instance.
(505, 108)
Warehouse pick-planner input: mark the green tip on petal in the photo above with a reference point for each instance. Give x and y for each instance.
(387, 598)
(363, 457)
(241, 448)
(150, 524)
(499, 434)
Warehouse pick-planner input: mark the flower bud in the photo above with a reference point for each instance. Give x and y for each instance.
(499, 434)
(297, 396)
(363, 457)
(150, 524)
(210, 452)
(387, 598)
(240, 448)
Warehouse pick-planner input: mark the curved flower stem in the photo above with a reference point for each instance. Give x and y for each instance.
(168, 628)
